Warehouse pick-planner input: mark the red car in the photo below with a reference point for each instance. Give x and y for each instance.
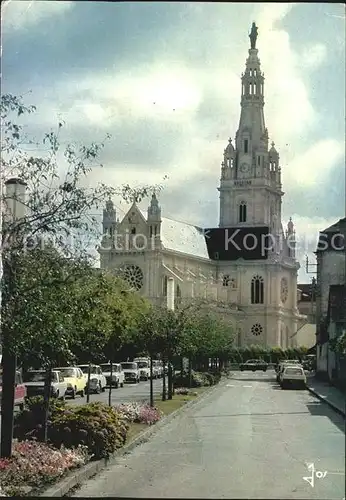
(20, 391)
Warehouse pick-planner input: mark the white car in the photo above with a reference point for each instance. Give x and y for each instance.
(283, 365)
(157, 369)
(293, 375)
(144, 368)
(118, 376)
(98, 381)
(131, 371)
(34, 383)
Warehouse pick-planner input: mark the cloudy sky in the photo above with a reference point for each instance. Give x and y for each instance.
(164, 80)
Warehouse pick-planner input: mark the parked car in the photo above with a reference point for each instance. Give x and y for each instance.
(118, 377)
(75, 380)
(157, 369)
(285, 363)
(131, 371)
(309, 362)
(34, 382)
(161, 368)
(166, 366)
(98, 382)
(254, 365)
(144, 368)
(20, 391)
(293, 375)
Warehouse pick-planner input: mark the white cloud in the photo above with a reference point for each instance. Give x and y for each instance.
(313, 56)
(307, 232)
(285, 88)
(21, 14)
(156, 93)
(169, 89)
(271, 12)
(314, 164)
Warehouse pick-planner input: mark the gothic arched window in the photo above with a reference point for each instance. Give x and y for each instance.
(257, 290)
(242, 212)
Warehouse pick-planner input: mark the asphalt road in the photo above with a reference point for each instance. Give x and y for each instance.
(130, 392)
(247, 439)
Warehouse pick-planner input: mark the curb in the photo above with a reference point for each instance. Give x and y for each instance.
(78, 476)
(325, 400)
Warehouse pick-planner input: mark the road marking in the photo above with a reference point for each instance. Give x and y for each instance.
(230, 385)
(247, 385)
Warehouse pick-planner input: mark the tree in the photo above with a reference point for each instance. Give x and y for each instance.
(205, 334)
(338, 344)
(111, 307)
(145, 337)
(59, 207)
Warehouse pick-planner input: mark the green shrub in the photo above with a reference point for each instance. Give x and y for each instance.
(28, 422)
(209, 378)
(95, 425)
(198, 379)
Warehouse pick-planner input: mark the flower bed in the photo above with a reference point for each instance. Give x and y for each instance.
(140, 413)
(76, 435)
(34, 464)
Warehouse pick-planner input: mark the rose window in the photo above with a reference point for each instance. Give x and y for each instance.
(256, 329)
(134, 276)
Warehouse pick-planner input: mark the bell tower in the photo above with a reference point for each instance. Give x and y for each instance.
(109, 222)
(154, 220)
(250, 184)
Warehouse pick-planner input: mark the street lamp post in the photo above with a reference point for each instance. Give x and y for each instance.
(171, 306)
(14, 212)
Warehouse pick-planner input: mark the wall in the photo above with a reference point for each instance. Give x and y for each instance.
(322, 355)
(330, 271)
(306, 336)
(308, 308)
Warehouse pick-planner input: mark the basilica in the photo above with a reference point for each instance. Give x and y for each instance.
(256, 279)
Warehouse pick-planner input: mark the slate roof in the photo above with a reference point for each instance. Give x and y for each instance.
(182, 237)
(337, 227)
(325, 237)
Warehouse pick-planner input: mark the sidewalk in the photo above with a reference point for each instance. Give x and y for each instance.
(327, 393)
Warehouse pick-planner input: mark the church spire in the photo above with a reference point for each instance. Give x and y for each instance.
(250, 165)
(251, 123)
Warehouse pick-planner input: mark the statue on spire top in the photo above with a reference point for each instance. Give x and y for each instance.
(253, 35)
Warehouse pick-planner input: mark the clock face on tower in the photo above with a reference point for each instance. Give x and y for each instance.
(244, 168)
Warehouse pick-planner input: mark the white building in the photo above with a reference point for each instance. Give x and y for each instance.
(259, 295)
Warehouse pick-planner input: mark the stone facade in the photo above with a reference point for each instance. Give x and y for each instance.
(259, 296)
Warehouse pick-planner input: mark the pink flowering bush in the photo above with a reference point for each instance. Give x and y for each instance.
(139, 413)
(149, 415)
(129, 411)
(34, 464)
